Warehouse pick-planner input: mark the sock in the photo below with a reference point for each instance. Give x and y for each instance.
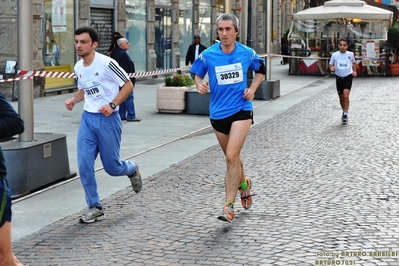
(345, 113)
(244, 185)
(228, 202)
(98, 207)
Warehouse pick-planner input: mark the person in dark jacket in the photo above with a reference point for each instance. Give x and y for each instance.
(10, 125)
(126, 109)
(115, 36)
(284, 48)
(194, 50)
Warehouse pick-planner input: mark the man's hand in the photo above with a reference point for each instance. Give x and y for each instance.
(69, 104)
(249, 94)
(204, 88)
(106, 110)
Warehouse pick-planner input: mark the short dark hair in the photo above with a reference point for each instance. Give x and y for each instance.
(92, 32)
(343, 40)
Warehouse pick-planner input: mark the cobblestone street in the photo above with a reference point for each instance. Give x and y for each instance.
(326, 192)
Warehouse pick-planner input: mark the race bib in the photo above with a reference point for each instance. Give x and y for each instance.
(229, 74)
(93, 90)
(344, 64)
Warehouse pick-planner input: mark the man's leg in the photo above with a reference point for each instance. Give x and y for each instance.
(231, 145)
(87, 150)
(122, 110)
(129, 104)
(344, 100)
(109, 139)
(6, 255)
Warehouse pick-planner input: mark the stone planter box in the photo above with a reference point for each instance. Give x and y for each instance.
(268, 89)
(197, 104)
(172, 99)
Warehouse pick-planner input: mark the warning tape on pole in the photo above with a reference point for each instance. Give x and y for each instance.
(26, 74)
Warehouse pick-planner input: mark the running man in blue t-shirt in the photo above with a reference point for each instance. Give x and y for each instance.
(231, 111)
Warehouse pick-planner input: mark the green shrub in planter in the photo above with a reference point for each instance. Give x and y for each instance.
(178, 81)
(393, 35)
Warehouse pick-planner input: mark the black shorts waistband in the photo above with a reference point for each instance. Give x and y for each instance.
(338, 77)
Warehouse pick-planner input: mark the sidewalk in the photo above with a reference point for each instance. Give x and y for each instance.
(325, 192)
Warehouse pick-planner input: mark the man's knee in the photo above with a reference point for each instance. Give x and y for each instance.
(344, 96)
(233, 159)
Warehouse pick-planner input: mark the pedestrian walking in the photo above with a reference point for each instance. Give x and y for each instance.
(126, 109)
(115, 36)
(194, 50)
(344, 65)
(231, 110)
(99, 79)
(284, 49)
(10, 124)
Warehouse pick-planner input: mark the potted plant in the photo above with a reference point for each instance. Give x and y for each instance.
(393, 40)
(171, 96)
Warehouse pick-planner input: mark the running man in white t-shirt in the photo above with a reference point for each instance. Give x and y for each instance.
(99, 78)
(344, 65)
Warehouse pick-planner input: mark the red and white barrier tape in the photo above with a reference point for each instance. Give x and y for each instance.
(25, 74)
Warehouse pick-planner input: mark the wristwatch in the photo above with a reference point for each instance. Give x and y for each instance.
(113, 106)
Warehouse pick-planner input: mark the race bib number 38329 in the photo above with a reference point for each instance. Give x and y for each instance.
(229, 74)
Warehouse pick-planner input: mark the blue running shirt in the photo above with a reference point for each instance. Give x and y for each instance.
(227, 77)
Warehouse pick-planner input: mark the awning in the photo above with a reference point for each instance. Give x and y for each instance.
(344, 9)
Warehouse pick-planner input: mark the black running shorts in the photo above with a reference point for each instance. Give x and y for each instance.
(224, 125)
(344, 83)
(5, 202)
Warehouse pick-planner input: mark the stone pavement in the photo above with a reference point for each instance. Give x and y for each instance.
(325, 193)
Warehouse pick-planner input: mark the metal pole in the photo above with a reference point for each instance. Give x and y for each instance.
(249, 38)
(24, 47)
(269, 39)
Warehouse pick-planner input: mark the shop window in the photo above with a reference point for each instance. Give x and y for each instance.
(185, 28)
(136, 33)
(205, 22)
(58, 41)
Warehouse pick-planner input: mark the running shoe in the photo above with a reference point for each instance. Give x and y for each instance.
(94, 214)
(227, 214)
(246, 197)
(135, 179)
(344, 118)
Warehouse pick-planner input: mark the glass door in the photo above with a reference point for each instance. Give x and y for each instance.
(163, 37)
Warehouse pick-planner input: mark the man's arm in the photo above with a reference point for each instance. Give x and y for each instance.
(249, 93)
(120, 98)
(354, 67)
(78, 97)
(123, 93)
(10, 122)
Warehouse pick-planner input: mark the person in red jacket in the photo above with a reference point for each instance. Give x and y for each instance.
(10, 125)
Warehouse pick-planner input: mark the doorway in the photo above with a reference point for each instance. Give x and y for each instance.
(163, 37)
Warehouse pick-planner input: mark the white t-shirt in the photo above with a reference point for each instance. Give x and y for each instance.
(196, 51)
(100, 81)
(343, 63)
